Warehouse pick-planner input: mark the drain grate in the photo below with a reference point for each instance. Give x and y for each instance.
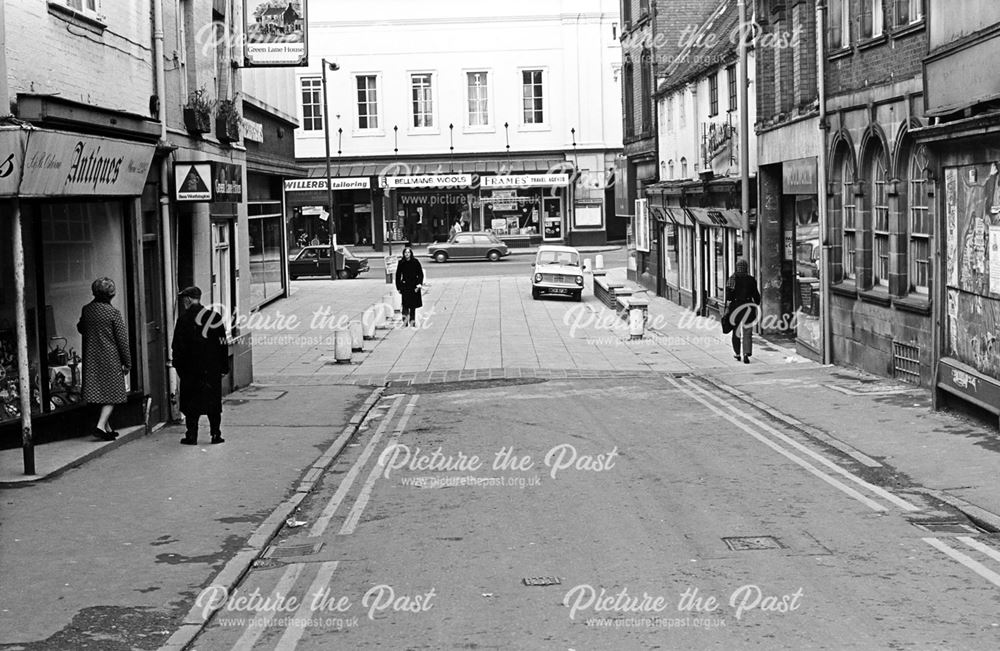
(266, 564)
(748, 543)
(294, 550)
(906, 362)
(946, 527)
(542, 580)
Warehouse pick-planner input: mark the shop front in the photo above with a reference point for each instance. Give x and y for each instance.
(307, 212)
(78, 202)
(719, 243)
(422, 208)
(525, 209)
(801, 246)
(677, 235)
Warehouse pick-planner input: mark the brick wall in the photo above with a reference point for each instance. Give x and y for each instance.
(786, 62)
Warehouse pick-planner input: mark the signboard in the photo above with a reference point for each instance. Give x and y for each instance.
(56, 163)
(251, 130)
(622, 206)
(589, 215)
(642, 225)
(276, 33)
(427, 181)
(346, 183)
(227, 182)
(524, 181)
(390, 265)
(193, 181)
(799, 176)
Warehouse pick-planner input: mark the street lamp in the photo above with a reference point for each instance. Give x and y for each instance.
(329, 183)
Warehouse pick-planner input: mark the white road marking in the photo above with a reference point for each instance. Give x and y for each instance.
(878, 490)
(875, 506)
(980, 546)
(260, 620)
(296, 628)
(354, 516)
(323, 521)
(970, 563)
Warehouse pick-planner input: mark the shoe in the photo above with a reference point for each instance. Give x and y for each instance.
(736, 357)
(746, 359)
(105, 435)
(218, 439)
(187, 441)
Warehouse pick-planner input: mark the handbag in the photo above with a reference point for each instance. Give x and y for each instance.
(727, 324)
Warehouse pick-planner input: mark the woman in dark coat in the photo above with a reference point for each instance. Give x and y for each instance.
(410, 282)
(743, 299)
(106, 357)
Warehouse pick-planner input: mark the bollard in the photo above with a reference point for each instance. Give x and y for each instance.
(586, 265)
(369, 321)
(636, 323)
(397, 302)
(599, 261)
(357, 336)
(342, 345)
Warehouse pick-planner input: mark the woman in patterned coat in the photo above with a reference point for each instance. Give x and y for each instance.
(106, 357)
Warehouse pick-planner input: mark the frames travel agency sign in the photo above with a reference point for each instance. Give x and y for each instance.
(276, 33)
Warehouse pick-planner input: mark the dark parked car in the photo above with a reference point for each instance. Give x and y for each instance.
(475, 246)
(315, 261)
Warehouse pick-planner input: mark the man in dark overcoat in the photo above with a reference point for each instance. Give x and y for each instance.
(201, 359)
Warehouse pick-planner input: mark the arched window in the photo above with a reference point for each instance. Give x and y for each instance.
(670, 170)
(921, 224)
(878, 202)
(848, 215)
(628, 96)
(684, 168)
(646, 84)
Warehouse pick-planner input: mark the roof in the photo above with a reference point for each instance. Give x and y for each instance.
(695, 58)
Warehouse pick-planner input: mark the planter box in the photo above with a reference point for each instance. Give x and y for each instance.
(197, 121)
(226, 132)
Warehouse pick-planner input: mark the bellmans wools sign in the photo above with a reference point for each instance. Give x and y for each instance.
(276, 33)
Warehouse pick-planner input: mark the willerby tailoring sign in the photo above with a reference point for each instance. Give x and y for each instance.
(40, 163)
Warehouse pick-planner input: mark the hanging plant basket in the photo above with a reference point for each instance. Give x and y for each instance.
(197, 121)
(227, 130)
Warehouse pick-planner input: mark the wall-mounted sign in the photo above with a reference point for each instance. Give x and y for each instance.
(642, 225)
(193, 181)
(276, 33)
(524, 181)
(251, 130)
(43, 163)
(799, 176)
(227, 181)
(426, 181)
(347, 183)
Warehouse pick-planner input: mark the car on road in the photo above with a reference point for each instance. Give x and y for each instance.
(469, 246)
(315, 261)
(558, 270)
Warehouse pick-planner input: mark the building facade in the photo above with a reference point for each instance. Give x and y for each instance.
(695, 207)
(878, 190)
(435, 119)
(963, 165)
(114, 131)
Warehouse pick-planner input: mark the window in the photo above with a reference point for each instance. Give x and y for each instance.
(684, 168)
(713, 94)
(734, 101)
(909, 11)
(479, 105)
(628, 96)
(643, 8)
(669, 110)
(921, 230)
(367, 102)
(670, 170)
(532, 98)
(423, 100)
(627, 13)
(880, 220)
(840, 21)
(86, 7)
(686, 244)
(849, 217)
(312, 105)
(871, 18)
(646, 63)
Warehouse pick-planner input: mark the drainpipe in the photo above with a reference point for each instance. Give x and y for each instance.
(23, 370)
(166, 241)
(821, 175)
(745, 136)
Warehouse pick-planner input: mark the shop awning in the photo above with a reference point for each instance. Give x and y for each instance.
(719, 217)
(679, 216)
(495, 166)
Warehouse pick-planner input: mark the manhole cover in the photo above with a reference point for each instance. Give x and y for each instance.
(541, 580)
(260, 394)
(294, 550)
(266, 564)
(946, 527)
(747, 543)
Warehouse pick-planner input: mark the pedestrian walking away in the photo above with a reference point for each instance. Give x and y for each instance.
(106, 356)
(410, 283)
(201, 359)
(742, 306)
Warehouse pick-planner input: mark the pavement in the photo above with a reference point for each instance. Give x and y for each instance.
(421, 250)
(182, 516)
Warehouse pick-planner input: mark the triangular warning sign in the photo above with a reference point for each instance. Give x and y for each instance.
(193, 182)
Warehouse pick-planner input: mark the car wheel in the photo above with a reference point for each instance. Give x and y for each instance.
(441, 256)
(493, 256)
(342, 274)
(535, 293)
(293, 276)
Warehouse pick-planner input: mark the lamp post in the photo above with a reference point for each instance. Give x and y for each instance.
(329, 183)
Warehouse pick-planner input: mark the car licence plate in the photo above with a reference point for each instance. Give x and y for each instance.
(559, 291)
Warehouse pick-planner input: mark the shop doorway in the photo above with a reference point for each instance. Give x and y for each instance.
(222, 276)
(153, 298)
(552, 214)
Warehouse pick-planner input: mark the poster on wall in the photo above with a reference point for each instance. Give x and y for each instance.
(994, 257)
(276, 33)
(642, 225)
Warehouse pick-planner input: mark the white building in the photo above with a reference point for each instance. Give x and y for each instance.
(434, 101)
(697, 202)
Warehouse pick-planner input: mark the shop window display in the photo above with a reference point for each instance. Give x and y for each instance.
(512, 212)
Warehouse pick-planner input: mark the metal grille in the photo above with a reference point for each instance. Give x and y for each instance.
(906, 362)
(749, 543)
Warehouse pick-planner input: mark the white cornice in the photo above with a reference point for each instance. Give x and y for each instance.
(465, 20)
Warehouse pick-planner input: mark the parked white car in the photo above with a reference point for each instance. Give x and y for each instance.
(558, 270)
